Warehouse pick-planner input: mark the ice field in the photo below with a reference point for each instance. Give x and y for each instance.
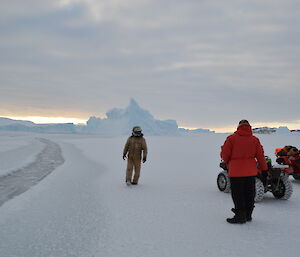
(81, 206)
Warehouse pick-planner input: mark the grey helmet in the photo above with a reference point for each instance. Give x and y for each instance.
(137, 131)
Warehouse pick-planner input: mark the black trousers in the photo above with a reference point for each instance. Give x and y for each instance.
(243, 194)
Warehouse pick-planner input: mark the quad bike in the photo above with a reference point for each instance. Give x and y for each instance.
(292, 160)
(274, 180)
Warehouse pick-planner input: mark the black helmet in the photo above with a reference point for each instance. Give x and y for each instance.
(137, 131)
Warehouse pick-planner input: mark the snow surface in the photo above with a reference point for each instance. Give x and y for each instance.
(84, 208)
(17, 150)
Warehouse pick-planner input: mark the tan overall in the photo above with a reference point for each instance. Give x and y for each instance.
(136, 150)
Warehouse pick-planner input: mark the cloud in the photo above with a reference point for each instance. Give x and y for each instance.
(203, 63)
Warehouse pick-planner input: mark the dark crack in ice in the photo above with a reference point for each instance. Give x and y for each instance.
(20, 180)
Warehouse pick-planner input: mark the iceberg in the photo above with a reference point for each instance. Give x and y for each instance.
(121, 121)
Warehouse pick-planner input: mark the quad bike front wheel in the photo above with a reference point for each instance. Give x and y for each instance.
(283, 188)
(223, 182)
(259, 190)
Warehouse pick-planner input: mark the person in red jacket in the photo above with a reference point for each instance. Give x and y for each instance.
(242, 152)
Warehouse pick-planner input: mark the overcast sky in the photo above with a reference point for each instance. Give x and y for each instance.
(203, 63)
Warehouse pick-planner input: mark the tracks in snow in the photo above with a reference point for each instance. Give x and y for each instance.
(20, 180)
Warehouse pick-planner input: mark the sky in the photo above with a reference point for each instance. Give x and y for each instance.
(203, 63)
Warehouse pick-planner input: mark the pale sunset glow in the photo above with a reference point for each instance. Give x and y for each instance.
(49, 120)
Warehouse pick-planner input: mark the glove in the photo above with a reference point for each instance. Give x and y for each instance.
(144, 159)
(124, 157)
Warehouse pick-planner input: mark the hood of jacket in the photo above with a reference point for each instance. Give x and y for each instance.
(244, 130)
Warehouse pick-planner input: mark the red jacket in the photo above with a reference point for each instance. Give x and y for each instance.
(241, 152)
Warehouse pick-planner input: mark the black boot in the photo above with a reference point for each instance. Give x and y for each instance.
(248, 214)
(248, 217)
(239, 217)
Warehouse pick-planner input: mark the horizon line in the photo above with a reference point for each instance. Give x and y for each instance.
(76, 121)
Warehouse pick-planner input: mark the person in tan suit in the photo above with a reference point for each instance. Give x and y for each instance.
(135, 150)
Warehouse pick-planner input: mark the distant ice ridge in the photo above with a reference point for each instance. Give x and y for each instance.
(10, 122)
(39, 128)
(283, 130)
(117, 122)
(264, 130)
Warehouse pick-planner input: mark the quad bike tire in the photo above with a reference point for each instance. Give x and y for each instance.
(285, 189)
(296, 176)
(259, 190)
(223, 182)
